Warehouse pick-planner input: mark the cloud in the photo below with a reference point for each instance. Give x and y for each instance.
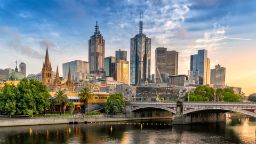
(15, 43)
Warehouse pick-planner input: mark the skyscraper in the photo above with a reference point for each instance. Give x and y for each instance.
(121, 55)
(122, 71)
(140, 57)
(96, 52)
(200, 68)
(79, 70)
(47, 70)
(218, 76)
(166, 64)
(22, 68)
(110, 67)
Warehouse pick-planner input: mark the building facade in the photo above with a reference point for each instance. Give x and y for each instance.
(218, 75)
(140, 58)
(96, 52)
(122, 72)
(110, 67)
(47, 70)
(22, 67)
(200, 68)
(166, 64)
(121, 55)
(79, 70)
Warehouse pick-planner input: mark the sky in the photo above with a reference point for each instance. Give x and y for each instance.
(226, 28)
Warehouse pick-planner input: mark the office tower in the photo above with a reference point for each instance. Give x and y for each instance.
(166, 64)
(47, 70)
(140, 57)
(96, 52)
(22, 68)
(122, 71)
(121, 55)
(200, 68)
(110, 67)
(79, 70)
(218, 76)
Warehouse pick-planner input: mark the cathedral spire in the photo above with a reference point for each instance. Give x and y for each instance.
(16, 68)
(69, 74)
(47, 61)
(57, 77)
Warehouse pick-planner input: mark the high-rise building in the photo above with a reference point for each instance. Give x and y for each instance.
(218, 76)
(22, 68)
(96, 52)
(47, 70)
(122, 71)
(110, 67)
(121, 55)
(200, 68)
(79, 70)
(166, 64)
(140, 57)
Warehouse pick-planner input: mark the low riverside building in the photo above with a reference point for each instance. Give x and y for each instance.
(97, 102)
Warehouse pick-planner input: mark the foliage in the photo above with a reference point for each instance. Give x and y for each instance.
(93, 113)
(205, 93)
(85, 95)
(252, 97)
(115, 104)
(61, 99)
(27, 98)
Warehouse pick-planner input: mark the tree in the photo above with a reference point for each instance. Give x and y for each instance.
(230, 96)
(29, 97)
(115, 104)
(218, 94)
(252, 97)
(85, 95)
(61, 99)
(202, 93)
(8, 99)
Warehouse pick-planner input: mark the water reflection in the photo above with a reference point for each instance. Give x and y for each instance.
(235, 131)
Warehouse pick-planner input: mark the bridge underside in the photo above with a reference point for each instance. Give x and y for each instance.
(151, 112)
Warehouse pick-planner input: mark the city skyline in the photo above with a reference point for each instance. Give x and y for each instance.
(184, 26)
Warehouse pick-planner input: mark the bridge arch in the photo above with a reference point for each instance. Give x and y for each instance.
(246, 112)
(173, 111)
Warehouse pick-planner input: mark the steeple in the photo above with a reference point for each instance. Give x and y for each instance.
(16, 68)
(47, 61)
(141, 24)
(57, 78)
(69, 74)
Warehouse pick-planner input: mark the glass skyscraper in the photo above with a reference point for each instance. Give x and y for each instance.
(121, 55)
(79, 70)
(200, 68)
(140, 58)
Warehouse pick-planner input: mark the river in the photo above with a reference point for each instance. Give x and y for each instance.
(151, 132)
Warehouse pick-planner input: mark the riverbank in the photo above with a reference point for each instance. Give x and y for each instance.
(5, 122)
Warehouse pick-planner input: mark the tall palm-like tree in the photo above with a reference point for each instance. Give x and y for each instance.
(85, 95)
(61, 99)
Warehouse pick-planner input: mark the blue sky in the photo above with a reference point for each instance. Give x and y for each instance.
(226, 28)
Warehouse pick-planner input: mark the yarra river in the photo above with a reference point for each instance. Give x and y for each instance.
(153, 132)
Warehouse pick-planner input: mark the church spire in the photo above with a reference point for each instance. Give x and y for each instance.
(47, 61)
(69, 74)
(16, 68)
(57, 77)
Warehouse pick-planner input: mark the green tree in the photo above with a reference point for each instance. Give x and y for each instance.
(219, 94)
(115, 104)
(230, 96)
(61, 99)
(8, 99)
(202, 93)
(252, 97)
(85, 95)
